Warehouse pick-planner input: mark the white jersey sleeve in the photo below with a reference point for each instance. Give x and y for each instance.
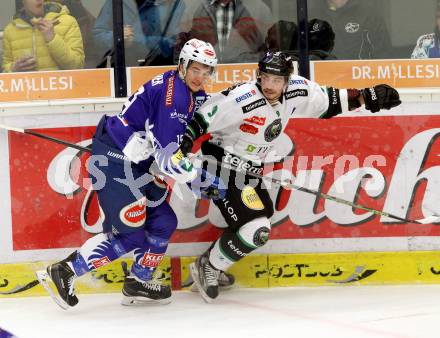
(311, 100)
(218, 112)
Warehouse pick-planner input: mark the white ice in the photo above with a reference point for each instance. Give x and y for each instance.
(330, 312)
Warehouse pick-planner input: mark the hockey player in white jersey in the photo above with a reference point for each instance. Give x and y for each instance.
(244, 122)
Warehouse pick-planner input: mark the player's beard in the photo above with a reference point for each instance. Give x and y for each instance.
(271, 96)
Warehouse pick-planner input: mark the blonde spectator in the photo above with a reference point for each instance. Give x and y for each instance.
(42, 36)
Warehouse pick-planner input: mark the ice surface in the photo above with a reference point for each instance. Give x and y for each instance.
(330, 312)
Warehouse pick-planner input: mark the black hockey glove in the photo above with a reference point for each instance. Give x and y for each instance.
(186, 144)
(380, 97)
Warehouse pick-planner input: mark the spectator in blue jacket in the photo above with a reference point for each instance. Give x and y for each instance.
(134, 40)
(160, 20)
(150, 29)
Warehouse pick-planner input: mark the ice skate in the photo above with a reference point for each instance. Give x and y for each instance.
(136, 292)
(226, 281)
(63, 277)
(205, 276)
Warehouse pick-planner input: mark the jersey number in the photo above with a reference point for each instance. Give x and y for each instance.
(130, 101)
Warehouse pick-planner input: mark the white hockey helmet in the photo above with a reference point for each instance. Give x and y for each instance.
(197, 50)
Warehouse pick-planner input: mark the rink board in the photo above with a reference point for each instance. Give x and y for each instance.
(256, 271)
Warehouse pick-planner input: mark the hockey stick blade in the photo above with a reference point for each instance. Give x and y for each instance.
(44, 278)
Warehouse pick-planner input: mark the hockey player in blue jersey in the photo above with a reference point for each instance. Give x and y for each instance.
(6, 334)
(130, 151)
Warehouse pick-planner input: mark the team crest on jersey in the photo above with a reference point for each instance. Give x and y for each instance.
(134, 214)
(253, 105)
(295, 93)
(273, 130)
(170, 92)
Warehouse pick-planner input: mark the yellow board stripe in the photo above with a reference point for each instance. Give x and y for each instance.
(259, 271)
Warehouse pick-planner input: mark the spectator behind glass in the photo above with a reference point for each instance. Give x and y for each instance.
(160, 20)
(427, 45)
(134, 40)
(85, 20)
(282, 35)
(235, 28)
(42, 36)
(321, 40)
(360, 30)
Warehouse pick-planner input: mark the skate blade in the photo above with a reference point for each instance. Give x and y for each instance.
(142, 301)
(44, 278)
(225, 287)
(195, 277)
(194, 288)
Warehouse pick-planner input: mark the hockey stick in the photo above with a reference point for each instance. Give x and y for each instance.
(288, 184)
(427, 220)
(53, 139)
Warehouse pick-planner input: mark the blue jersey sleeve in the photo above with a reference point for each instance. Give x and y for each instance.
(133, 117)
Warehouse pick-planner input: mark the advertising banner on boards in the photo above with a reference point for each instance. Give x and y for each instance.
(389, 163)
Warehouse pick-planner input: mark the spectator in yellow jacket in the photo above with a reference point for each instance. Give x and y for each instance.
(42, 36)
